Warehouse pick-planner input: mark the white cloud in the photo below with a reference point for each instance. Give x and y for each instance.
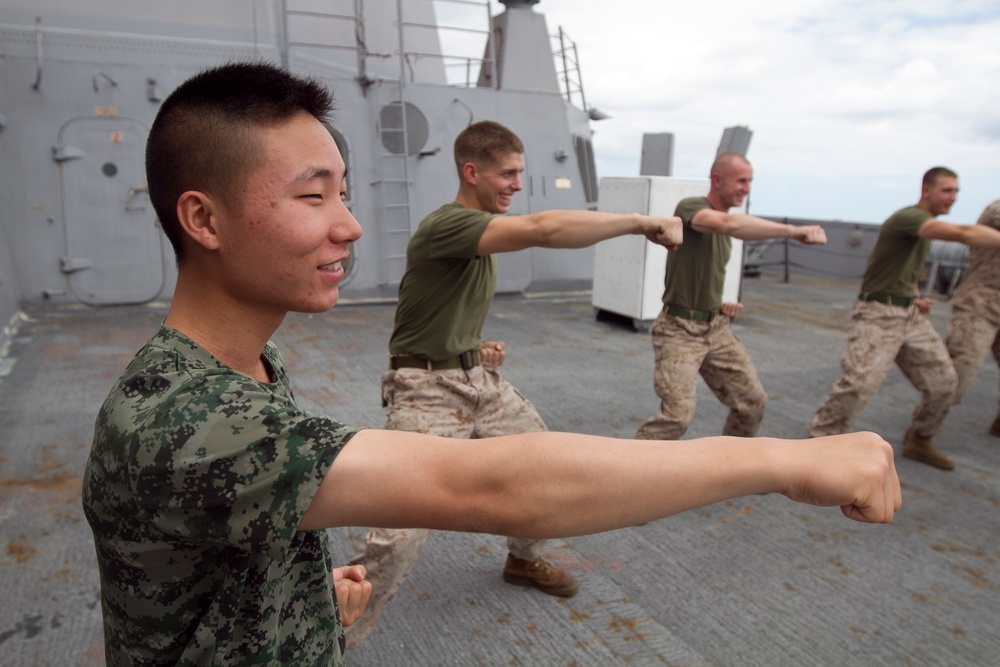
(849, 100)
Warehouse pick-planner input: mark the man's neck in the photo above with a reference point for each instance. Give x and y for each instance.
(469, 198)
(717, 204)
(233, 334)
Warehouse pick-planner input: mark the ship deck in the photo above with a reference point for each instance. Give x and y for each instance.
(753, 581)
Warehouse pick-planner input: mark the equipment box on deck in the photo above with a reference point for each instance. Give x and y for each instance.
(629, 270)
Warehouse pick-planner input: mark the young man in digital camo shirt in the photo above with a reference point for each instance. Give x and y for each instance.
(208, 490)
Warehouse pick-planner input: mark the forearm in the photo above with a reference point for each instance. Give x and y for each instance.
(981, 236)
(751, 228)
(578, 484)
(584, 484)
(579, 229)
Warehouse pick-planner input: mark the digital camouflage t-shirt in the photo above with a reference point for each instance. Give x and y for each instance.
(197, 481)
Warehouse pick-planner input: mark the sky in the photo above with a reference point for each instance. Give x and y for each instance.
(849, 101)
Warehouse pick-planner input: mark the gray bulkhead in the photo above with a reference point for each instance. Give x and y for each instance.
(81, 84)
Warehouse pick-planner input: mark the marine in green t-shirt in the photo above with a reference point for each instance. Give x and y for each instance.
(974, 328)
(443, 378)
(691, 336)
(889, 323)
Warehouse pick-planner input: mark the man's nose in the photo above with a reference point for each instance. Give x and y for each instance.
(345, 228)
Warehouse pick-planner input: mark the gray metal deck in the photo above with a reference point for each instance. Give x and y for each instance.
(753, 581)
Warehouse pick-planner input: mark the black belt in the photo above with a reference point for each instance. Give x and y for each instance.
(690, 314)
(466, 361)
(889, 299)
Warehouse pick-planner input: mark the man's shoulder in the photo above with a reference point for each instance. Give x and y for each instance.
(697, 203)
(453, 211)
(166, 363)
(450, 230)
(907, 220)
(689, 206)
(912, 212)
(991, 215)
(170, 350)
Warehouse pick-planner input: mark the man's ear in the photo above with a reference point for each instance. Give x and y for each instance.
(470, 172)
(197, 213)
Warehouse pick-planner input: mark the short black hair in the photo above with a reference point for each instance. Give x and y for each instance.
(206, 134)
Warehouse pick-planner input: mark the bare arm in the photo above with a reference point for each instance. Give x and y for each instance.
(975, 236)
(751, 228)
(561, 484)
(573, 229)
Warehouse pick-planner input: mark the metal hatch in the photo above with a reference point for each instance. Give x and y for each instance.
(114, 248)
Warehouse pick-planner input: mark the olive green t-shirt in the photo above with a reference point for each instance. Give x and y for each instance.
(696, 271)
(898, 257)
(447, 289)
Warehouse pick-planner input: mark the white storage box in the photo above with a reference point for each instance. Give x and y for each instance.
(629, 270)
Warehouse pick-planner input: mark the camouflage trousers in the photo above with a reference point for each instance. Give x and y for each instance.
(683, 350)
(456, 404)
(881, 334)
(974, 327)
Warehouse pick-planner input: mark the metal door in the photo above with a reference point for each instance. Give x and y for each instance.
(115, 251)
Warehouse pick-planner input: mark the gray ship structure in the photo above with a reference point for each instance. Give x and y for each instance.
(86, 276)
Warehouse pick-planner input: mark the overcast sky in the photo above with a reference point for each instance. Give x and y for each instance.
(849, 101)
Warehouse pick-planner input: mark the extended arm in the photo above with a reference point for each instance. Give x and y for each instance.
(975, 236)
(561, 484)
(752, 228)
(573, 229)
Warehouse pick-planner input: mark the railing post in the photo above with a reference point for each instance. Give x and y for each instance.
(786, 260)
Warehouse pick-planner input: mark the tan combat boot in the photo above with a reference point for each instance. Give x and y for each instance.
(995, 427)
(922, 449)
(541, 574)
